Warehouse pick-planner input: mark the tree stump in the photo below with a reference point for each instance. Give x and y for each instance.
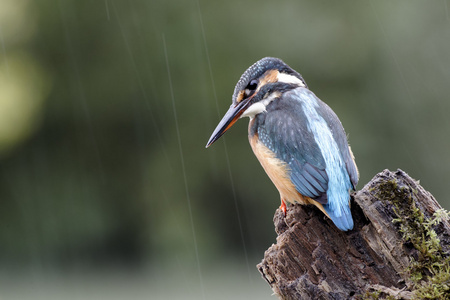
(398, 249)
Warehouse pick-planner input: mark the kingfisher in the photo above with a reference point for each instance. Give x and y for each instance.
(297, 138)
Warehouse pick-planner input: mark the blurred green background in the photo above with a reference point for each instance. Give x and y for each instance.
(106, 188)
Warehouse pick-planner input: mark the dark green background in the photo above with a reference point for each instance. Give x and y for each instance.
(106, 106)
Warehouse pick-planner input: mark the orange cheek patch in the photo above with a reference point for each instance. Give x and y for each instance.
(269, 77)
(240, 96)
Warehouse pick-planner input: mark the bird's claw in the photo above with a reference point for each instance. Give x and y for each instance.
(283, 207)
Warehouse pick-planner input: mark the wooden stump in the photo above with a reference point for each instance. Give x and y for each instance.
(312, 259)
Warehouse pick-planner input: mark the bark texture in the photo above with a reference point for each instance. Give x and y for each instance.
(312, 259)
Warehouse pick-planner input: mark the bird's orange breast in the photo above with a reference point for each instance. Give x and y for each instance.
(278, 172)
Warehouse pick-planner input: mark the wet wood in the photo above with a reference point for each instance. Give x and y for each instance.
(312, 259)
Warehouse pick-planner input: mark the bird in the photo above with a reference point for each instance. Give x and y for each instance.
(297, 138)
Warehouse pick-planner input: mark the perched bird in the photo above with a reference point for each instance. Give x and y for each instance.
(296, 137)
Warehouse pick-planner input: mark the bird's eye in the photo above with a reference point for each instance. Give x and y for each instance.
(251, 87)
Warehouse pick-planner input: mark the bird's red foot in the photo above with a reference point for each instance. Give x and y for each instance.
(283, 207)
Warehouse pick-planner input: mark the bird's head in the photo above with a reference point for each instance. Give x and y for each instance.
(260, 84)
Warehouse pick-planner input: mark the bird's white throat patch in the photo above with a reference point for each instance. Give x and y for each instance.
(260, 106)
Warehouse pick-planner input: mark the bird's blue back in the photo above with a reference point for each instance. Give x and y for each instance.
(307, 135)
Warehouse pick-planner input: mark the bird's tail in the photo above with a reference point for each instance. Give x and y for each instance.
(341, 217)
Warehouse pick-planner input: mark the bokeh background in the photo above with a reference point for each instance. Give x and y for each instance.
(106, 189)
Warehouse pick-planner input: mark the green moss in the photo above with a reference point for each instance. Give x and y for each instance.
(430, 270)
(375, 295)
(371, 295)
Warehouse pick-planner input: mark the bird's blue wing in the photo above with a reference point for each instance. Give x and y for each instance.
(340, 137)
(285, 132)
(307, 135)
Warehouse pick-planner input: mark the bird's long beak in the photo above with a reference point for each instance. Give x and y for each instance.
(233, 114)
